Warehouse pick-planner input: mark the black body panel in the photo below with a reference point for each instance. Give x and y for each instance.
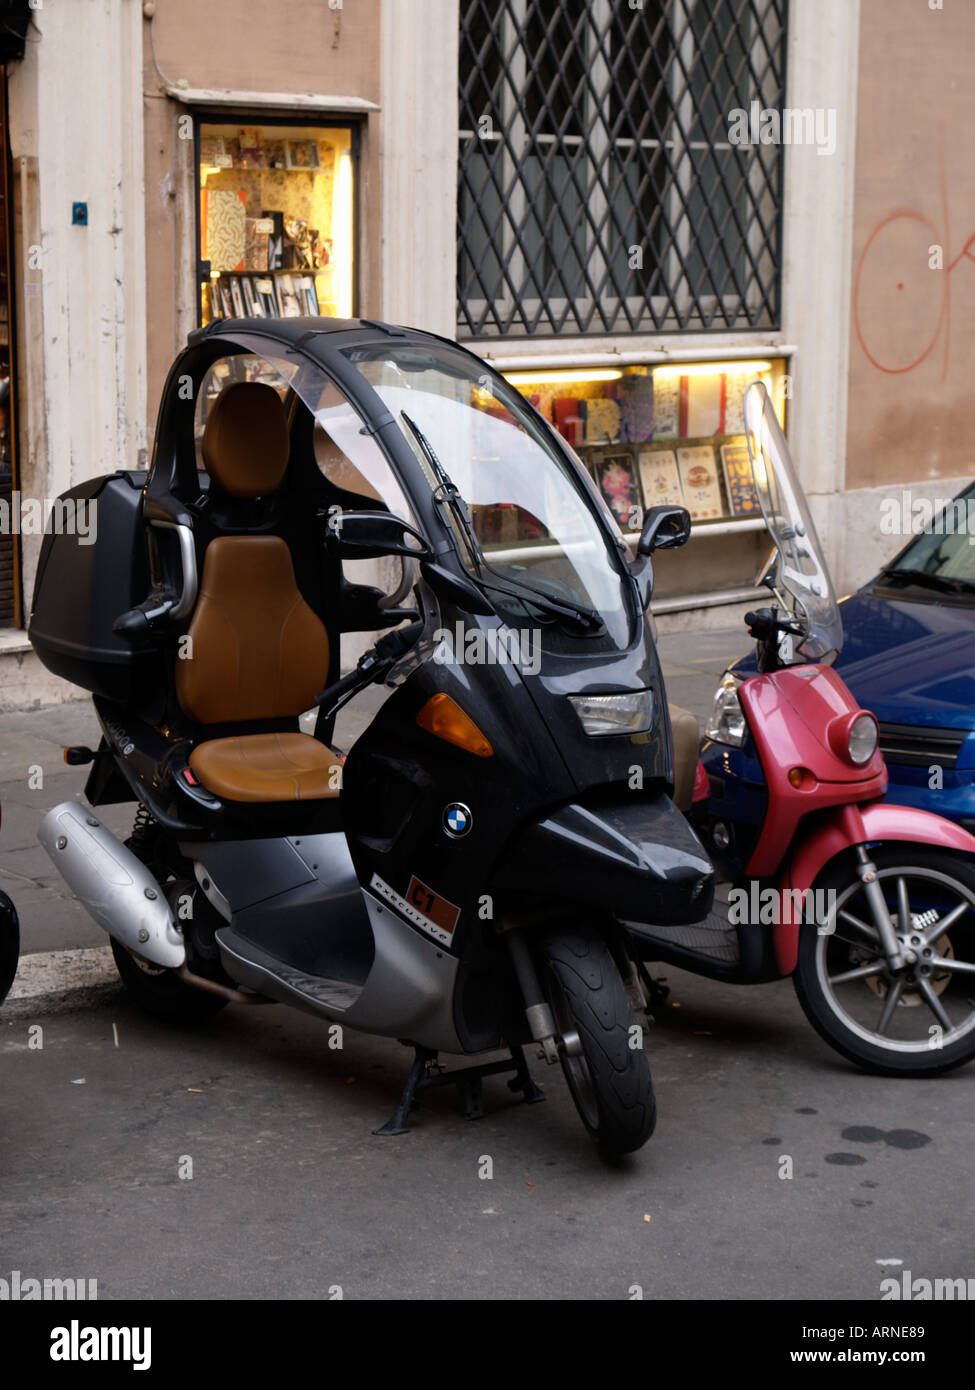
(640, 860)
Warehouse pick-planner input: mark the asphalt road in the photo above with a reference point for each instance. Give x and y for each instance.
(238, 1160)
(291, 1194)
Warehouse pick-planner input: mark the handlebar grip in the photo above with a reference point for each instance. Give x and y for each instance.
(373, 663)
(334, 692)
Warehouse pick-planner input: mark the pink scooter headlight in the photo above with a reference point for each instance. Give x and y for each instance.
(854, 737)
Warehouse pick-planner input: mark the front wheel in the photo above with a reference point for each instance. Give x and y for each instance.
(916, 1021)
(602, 1054)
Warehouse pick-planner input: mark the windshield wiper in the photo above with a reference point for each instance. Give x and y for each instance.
(448, 494)
(930, 581)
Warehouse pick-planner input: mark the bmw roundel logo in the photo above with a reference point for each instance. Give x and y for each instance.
(457, 819)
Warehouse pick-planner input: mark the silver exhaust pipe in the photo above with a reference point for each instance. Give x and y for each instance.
(116, 888)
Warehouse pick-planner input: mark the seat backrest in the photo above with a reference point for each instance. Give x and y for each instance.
(258, 651)
(245, 441)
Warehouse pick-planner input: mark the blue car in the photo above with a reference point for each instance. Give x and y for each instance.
(909, 657)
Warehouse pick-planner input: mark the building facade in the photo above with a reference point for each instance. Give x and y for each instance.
(631, 206)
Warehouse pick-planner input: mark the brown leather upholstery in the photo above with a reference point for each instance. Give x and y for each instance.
(258, 650)
(245, 441)
(687, 739)
(267, 767)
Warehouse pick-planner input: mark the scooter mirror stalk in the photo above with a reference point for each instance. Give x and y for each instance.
(369, 535)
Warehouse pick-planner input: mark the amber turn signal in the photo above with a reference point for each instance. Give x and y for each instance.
(444, 717)
(800, 776)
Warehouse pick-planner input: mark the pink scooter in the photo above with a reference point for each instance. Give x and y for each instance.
(869, 907)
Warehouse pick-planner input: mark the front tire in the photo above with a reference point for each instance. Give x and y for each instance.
(607, 1074)
(919, 1021)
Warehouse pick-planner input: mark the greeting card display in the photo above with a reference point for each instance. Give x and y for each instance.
(250, 140)
(660, 478)
(634, 395)
(569, 419)
(214, 153)
(602, 422)
(224, 215)
(739, 484)
(616, 477)
(702, 404)
(666, 406)
(302, 154)
(699, 480)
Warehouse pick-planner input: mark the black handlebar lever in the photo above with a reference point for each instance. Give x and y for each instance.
(371, 666)
(764, 625)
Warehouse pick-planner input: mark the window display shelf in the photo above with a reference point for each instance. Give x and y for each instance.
(660, 433)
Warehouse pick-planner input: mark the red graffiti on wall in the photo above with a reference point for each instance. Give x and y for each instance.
(948, 265)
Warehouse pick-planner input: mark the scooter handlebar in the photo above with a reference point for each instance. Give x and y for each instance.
(373, 664)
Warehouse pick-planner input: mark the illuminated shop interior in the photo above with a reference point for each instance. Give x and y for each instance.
(650, 435)
(276, 220)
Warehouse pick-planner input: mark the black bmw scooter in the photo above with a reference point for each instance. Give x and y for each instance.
(459, 879)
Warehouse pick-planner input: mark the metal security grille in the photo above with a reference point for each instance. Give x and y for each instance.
(599, 191)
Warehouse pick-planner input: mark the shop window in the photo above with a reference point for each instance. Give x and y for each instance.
(654, 435)
(277, 233)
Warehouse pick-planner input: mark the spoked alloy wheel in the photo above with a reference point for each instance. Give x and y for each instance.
(609, 1079)
(919, 1019)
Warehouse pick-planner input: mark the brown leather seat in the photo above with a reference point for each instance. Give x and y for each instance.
(258, 651)
(267, 767)
(687, 741)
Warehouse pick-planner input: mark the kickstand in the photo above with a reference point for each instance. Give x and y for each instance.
(657, 990)
(523, 1080)
(426, 1073)
(397, 1124)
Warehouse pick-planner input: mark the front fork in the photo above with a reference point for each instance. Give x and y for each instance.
(867, 872)
(541, 1020)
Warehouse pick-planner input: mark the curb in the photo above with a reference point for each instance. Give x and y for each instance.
(56, 982)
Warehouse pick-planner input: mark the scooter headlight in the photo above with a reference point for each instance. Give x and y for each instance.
(862, 742)
(629, 712)
(727, 722)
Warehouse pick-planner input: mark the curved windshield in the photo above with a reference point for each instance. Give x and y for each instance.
(524, 518)
(803, 571)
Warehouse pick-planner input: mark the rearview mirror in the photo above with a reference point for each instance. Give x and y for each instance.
(664, 528)
(368, 535)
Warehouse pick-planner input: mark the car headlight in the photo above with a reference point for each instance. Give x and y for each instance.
(862, 743)
(727, 722)
(629, 712)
